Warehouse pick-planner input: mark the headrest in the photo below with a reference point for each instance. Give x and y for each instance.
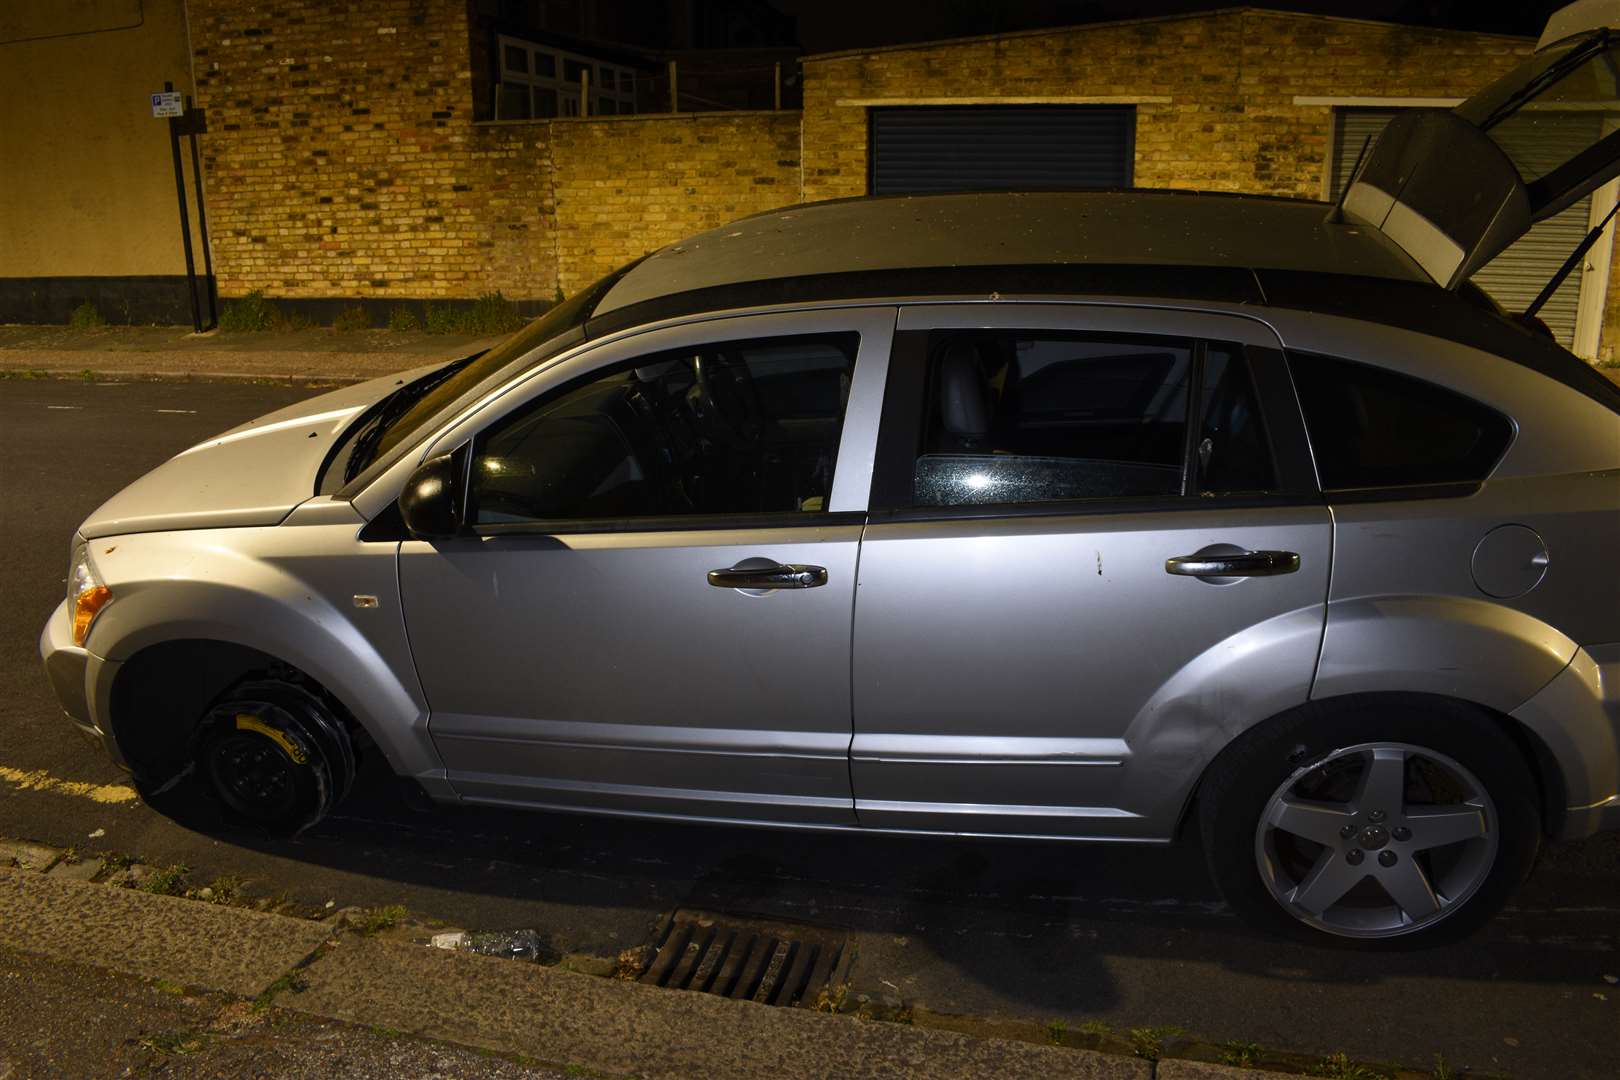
(964, 398)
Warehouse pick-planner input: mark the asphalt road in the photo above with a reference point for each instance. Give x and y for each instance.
(1127, 936)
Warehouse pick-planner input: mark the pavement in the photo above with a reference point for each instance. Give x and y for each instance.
(990, 937)
(223, 967)
(313, 354)
(62, 1018)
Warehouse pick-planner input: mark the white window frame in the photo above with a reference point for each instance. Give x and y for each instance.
(622, 94)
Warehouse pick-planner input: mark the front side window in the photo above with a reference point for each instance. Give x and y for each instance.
(1034, 416)
(739, 428)
(1372, 428)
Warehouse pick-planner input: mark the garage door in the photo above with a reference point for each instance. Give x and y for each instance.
(1516, 276)
(1001, 148)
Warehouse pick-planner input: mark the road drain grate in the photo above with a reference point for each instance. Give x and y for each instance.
(747, 959)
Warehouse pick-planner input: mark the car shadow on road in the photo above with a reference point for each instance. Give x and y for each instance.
(1036, 927)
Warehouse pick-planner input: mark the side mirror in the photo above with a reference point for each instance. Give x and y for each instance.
(434, 498)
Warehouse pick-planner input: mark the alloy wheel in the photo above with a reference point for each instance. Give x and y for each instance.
(1376, 840)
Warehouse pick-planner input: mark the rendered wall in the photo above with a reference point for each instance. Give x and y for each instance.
(90, 209)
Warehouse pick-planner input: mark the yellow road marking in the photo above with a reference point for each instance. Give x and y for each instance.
(40, 780)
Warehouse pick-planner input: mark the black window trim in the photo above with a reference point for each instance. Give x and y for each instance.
(900, 434)
(1451, 489)
(782, 519)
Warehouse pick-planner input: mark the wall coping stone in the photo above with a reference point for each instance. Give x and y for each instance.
(694, 116)
(1213, 13)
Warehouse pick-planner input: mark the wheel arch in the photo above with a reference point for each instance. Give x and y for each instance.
(1457, 647)
(1543, 765)
(204, 658)
(174, 682)
(276, 593)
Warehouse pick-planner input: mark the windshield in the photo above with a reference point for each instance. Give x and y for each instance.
(406, 414)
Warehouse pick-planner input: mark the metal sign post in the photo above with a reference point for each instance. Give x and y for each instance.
(195, 123)
(192, 122)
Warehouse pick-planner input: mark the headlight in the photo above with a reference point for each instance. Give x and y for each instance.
(87, 594)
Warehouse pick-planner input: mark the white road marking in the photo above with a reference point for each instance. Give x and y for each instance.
(40, 780)
(188, 411)
(64, 406)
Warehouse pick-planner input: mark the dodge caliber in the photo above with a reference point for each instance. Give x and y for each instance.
(1097, 516)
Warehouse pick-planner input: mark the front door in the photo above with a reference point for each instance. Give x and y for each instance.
(1096, 552)
(652, 613)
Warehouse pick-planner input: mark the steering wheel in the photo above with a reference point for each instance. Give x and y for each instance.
(725, 402)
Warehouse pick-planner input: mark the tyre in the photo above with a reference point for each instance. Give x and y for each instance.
(275, 755)
(1372, 820)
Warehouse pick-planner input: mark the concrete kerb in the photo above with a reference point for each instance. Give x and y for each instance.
(541, 1012)
(656, 1034)
(317, 372)
(157, 353)
(167, 937)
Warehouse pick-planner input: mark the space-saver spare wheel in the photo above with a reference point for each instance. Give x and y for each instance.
(275, 754)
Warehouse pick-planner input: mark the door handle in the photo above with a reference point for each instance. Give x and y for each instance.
(1238, 564)
(790, 576)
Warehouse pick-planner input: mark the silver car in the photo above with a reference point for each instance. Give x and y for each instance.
(1092, 516)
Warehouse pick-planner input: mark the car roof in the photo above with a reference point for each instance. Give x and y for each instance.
(1175, 246)
(892, 236)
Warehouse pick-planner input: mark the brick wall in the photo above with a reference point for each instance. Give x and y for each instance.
(625, 186)
(341, 158)
(1285, 56)
(1185, 60)
(1214, 93)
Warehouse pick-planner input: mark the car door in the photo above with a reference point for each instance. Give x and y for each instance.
(650, 612)
(1095, 554)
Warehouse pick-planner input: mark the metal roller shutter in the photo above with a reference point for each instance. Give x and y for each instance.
(1514, 277)
(1001, 148)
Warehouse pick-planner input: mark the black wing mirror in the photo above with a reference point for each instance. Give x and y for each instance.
(434, 500)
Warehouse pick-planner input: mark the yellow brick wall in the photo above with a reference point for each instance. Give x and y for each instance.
(625, 186)
(1230, 123)
(341, 158)
(1285, 56)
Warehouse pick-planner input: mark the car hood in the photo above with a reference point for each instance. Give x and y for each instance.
(253, 474)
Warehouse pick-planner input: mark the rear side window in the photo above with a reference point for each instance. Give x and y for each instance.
(1371, 428)
(1037, 416)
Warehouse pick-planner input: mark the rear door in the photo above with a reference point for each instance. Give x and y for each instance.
(1095, 553)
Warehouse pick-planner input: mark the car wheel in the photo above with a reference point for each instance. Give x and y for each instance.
(1377, 819)
(275, 755)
